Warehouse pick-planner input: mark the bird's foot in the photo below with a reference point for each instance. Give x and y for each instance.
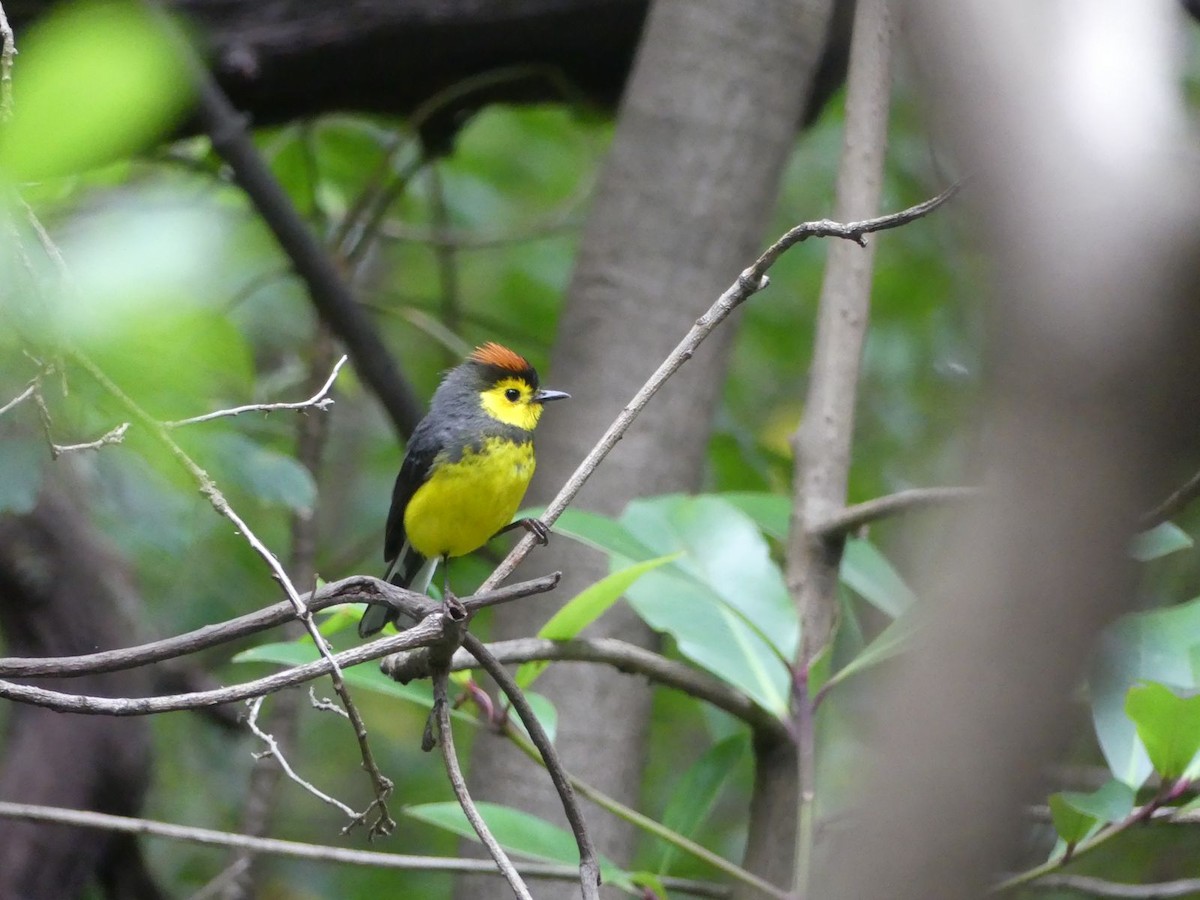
(452, 607)
(538, 528)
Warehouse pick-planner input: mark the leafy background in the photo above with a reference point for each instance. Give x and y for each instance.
(180, 294)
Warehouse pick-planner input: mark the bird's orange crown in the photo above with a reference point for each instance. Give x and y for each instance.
(492, 354)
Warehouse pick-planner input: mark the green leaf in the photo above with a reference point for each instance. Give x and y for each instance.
(598, 532)
(517, 832)
(867, 572)
(1159, 541)
(697, 791)
(96, 81)
(1168, 725)
(1076, 814)
(261, 472)
(770, 512)
(887, 644)
(724, 600)
(585, 608)
(1153, 646)
(22, 464)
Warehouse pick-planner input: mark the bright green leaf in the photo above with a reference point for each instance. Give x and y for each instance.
(1168, 724)
(517, 832)
(1152, 646)
(1071, 824)
(724, 601)
(1159, 541)
(1076, 814)
(96, 81)
(868, 573)
(585, 608)
(697, 790)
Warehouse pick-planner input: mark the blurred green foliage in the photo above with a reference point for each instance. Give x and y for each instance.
(179, 293)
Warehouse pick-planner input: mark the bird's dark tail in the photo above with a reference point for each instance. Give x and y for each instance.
(408, 570)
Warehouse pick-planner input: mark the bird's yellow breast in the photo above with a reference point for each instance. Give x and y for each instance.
(467, 501)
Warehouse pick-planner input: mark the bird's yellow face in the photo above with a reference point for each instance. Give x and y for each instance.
(512, 401)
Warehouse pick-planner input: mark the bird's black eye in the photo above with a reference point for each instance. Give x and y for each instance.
(513, 394)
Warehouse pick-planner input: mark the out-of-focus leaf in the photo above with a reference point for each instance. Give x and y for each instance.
(585, 608)
(770, 512)
(22, 464)
(1159, 541)
(596, 531)
(724, 600)
(697, 791)
(174, 362)
(867, 572)
(1168, 725)
(97, 81)
(1076, 815)
(886, 645)
(1153, 646)
(272, 477)
(517, 832)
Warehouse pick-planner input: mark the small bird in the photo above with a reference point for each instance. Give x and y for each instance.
(468, 464)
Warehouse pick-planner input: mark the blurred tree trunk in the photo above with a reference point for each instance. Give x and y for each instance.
(703, 133)
(63, 592)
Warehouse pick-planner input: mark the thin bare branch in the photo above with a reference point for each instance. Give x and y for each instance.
(115, 436)
(1179, 500)
(382, 785)
(356, 589)
(847, 521)
(20, 398)
(749, 282)
(274, 752)
(320, 400)
(427, 631)
(7, 51)
(1114, 890)
(441, 713)
(589, 865)
(634, 660)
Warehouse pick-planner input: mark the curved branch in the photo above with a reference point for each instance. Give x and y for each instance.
(635, 660)
(316, 852)
(850, 519)
(441, 712)
(748, 283)
(356, 589)
(589, 865)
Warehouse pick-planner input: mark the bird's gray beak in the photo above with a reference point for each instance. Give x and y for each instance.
(547, 396)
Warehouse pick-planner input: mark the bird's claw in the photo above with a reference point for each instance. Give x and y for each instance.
(453, 607)
(539, 530)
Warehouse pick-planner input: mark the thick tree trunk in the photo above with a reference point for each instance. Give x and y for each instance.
(703, 133)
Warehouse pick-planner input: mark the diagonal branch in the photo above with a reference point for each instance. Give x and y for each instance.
(589, 865)
(441, 712)
(748, 283)
(848, 520)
